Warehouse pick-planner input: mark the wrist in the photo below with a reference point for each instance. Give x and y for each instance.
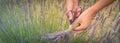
(92, 11)
(95, 8)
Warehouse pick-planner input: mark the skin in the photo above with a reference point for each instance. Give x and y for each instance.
(72, 5)
(85, 17)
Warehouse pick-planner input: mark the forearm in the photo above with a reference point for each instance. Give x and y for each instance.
(69, 5)
(100, 5)
(75, 4)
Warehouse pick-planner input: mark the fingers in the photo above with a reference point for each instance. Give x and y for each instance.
(79, 11)
(73, 15)
(70, 15)
(79, 29)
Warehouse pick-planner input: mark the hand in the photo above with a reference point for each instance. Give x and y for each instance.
(72, 15)
(84, 20)
(86, 17)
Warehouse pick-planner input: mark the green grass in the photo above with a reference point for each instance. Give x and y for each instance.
(21, 23)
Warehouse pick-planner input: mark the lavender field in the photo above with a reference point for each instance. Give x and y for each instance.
(27, 21)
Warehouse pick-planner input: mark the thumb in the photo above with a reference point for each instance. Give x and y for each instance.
(70, 17)
(79, 29)
(69, 14)
(79, 11)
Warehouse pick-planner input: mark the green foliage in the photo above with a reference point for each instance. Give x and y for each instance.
(26, 21)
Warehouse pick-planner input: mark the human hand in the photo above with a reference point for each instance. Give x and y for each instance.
(72, 15)
(84, 20)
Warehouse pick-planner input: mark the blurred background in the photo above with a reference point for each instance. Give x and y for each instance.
(26, 21)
